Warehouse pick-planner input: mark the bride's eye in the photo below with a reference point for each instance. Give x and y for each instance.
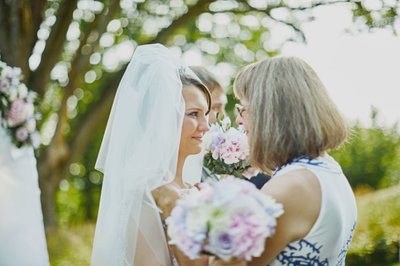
(193, 114)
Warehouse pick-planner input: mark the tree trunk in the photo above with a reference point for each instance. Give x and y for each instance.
(48, 198)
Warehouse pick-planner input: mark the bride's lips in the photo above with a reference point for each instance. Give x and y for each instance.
(198, 138)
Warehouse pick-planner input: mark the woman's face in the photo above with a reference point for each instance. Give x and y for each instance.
(195, 122)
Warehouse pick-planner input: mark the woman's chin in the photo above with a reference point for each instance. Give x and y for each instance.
(195, 150)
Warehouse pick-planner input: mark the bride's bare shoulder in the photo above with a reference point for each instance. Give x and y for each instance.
(165, 197)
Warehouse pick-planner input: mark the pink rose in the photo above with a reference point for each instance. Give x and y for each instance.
(18, 112)
(4, 85)
(22, 134)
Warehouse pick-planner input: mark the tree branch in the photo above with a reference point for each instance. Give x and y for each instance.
(4, 28)
(79, 66)
(93, 119)
(193, 12)
(293, 26)
(10, 25)
(80, 63)
(31, 24)
(318, 4)
(14, 31)
(54, 47)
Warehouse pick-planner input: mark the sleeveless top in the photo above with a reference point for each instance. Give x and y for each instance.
(329, 238)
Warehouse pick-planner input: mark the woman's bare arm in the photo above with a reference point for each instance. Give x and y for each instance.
(300, 193)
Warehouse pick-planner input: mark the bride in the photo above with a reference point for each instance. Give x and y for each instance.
(158, 118)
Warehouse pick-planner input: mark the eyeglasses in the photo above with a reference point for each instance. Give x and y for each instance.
(240, 109)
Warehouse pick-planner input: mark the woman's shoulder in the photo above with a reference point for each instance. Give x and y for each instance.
(300, 193)
(292, 183)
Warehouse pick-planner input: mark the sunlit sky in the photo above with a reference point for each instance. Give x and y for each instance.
(359, 70)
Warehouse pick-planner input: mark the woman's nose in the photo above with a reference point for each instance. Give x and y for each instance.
(203, 126)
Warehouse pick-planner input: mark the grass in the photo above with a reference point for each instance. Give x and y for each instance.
(71, 246)
(377, 237)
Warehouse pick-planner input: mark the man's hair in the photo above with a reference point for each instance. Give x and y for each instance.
(207, 78)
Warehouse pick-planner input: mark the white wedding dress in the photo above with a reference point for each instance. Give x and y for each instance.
(22, 237)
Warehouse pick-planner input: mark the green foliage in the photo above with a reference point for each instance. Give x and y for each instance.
(79, 195)
(69, 200)
(221, 168)
(377, 236)
(372, 156)
(384, 14)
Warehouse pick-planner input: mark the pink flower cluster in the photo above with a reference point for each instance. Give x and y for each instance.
(230, 219)
(17, 111)
(232, 149)
(227, 149)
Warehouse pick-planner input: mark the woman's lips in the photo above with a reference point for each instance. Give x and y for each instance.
(198, 138)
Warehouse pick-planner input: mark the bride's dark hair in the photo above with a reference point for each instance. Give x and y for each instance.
(190, 79)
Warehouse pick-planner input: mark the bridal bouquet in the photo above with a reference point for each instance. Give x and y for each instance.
(17, 111)
(227, 149)
(229, 219)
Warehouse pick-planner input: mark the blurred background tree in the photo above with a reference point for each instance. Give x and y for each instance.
(371, 158)
(74, 52)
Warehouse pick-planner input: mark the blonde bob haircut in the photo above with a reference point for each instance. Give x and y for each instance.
(290, 112)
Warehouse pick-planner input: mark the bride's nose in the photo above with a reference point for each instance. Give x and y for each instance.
(203, 124)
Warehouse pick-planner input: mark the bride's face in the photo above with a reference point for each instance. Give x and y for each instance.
(195, 122)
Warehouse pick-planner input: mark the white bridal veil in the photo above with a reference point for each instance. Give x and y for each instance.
(138, 154)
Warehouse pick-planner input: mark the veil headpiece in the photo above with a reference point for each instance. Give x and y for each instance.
(139, 153)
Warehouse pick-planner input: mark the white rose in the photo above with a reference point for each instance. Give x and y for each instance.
(30, 109)
(12, 93)
(31, 125)
(196, 221)
(226, 123)
(22, 91)
(35, 139)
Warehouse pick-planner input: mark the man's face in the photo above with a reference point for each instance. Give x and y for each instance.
(219, 100)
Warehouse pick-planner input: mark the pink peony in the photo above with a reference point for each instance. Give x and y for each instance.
(230, 218)
(4, 85)
(18, 112)
(22, 134)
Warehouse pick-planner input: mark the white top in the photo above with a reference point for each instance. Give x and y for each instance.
(192, 169)
(22, 238)
(329, 238)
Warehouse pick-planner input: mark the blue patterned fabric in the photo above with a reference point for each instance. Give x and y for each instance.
(302, 253)
(345, 247)
(304, 159)
(329, 239)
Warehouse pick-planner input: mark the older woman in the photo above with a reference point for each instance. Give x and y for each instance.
(292, 123)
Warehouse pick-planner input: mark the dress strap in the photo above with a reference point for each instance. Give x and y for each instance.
(303, 159)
